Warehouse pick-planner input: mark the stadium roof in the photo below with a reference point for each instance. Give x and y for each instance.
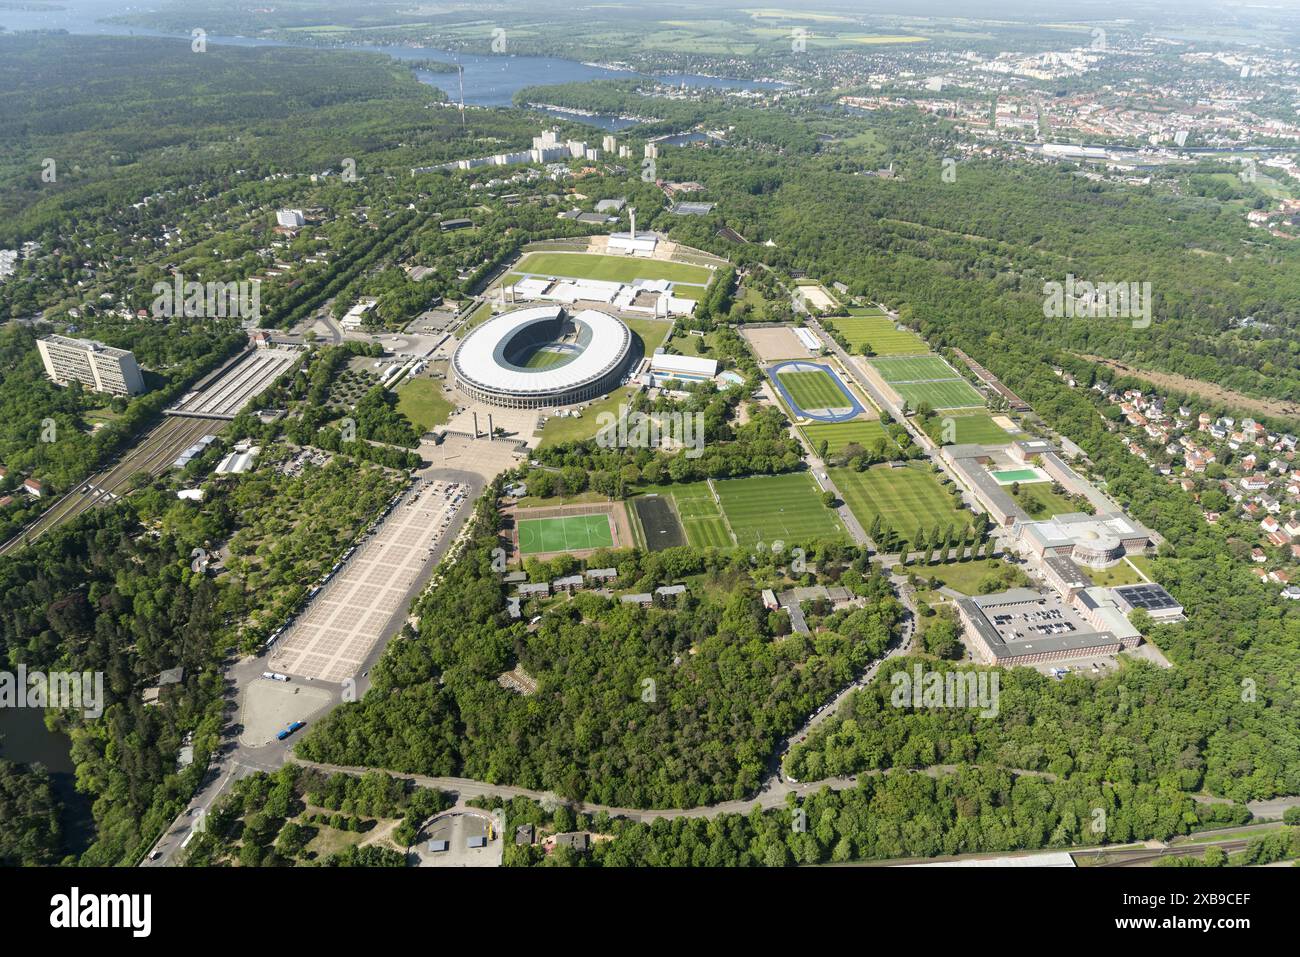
(480, 359)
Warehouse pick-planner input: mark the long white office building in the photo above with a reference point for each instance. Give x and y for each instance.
(93, 364)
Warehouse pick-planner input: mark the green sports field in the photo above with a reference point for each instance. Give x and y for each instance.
(545, 358)
(927, 379)
(569, 533)
(611, 268)
(863, 432)
(905, 498)
(768, 508)
(977, 429)
(913, 368)
(948, 394)
(700, 517)
(878, 331)
(814, 390)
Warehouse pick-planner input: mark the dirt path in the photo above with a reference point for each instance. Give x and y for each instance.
(1277, 408)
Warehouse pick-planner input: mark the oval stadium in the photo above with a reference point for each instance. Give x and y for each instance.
(543, 356)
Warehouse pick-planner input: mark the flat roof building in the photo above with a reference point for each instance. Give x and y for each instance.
(1151, 598)
(98, 367)
(1096, 541)
(1023, 626)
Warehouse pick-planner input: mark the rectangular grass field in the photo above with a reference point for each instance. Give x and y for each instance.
(926, 368)
(568, 533)
(927, 379)
(611, 268)
(905, 498)
(768, 508)
(814, 390)
(878, 331)
(863, 432)
(977, 429)
(700, 518)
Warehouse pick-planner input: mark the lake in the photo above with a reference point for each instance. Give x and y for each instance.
(24, 739)
(489, 79)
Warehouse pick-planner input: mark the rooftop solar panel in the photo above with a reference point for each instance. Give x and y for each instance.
(1149, 596)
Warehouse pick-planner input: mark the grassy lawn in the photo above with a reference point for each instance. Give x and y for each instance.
(558, 430)
(653, 332)
(863, 432)
(611, 268)
(701, 518)
(422, 401)
(877, 331)
(1120, 574)
(967, 577)
(1038, 499)
(977, 429)
(906, 499)
(477, 317)
(814, 390)
(768, 508)
(582, 498)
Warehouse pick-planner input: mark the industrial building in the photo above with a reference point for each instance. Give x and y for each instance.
(98, 367)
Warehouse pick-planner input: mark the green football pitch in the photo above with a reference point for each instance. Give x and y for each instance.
(979, 429)
(878, 331)
(768, 508)
(913, 369)
(906, 499)
(611, 268)
(863, 432)
(569, 533)
(814, 390)
(927, 379)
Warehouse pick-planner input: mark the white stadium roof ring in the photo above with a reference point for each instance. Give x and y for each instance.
(483, 372)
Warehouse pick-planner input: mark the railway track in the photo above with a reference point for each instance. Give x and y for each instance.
(153, 454)
(1146, 856)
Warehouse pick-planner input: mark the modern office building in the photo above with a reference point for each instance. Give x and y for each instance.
(95, 365)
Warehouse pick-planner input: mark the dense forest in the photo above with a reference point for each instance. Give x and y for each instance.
(634, 707)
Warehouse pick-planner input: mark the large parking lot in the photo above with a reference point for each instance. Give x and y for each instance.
(349, 615)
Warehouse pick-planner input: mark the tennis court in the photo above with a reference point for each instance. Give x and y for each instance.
(568, 533)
